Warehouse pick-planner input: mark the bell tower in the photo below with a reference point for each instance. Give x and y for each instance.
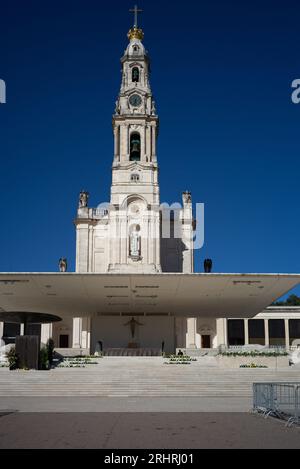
(135, 126)
(134, 229)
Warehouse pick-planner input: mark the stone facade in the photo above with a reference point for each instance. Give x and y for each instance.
(106, 234)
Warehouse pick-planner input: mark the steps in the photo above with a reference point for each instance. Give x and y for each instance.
(117, 376)
(132, 352)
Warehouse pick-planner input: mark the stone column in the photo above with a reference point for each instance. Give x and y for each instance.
(86, 332)
(221, 324)
(287, 333)
(82, 247)
(157, 240)
(153, 141)
(246, 331)
(191, 332)
(121, 146)
(225, 332)
(124, 235)
(1, 333)
(124, 142)
(46, 332)
(148, 142)
(117, 142)
(77, 328)
(143, 144)
(267, 341)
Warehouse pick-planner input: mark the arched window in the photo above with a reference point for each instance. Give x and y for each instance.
(135, 147)
(135, 177)
(135, 74)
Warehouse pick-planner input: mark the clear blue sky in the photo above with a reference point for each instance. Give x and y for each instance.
(221, 76)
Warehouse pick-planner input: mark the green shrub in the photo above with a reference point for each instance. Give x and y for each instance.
(50, 350)
(44, 361)
(12, 358)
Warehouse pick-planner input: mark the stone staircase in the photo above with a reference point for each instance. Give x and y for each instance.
(132, 352)
(72, 352)
(150, 377)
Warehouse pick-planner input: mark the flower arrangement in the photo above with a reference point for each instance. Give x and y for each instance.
(77, 362)
(180, 360)
(253, 353)
(253, 365)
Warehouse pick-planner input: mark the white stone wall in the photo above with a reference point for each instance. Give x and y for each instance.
(64, 327)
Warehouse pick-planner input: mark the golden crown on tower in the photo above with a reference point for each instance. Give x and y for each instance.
(135, 33)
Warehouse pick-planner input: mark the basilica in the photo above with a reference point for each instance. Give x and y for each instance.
(134, 290)
(128, 235)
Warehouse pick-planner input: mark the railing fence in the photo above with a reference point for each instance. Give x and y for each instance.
(280, 400)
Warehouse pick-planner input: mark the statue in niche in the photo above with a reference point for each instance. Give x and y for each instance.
(135, 243)
(83, 199)
(62, 264)
(187, 197)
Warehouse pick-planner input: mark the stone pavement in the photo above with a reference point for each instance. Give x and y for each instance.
(144, 430)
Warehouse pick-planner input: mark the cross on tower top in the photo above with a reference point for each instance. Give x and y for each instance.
(136, 11)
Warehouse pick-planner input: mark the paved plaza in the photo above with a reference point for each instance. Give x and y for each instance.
(144, 430)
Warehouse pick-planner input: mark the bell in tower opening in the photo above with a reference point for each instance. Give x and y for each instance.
(135, 75)
(135, 147)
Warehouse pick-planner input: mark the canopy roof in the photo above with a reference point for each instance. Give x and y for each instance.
(200, 294)
(27, 317)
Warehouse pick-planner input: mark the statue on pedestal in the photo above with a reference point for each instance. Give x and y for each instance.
(207, 265)
(153, 108)
(187, 197)
(83, 199)
(117, 108)
(62, 264)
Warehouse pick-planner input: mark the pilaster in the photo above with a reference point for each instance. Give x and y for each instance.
(287, 333)
(191, 332)
(46, 332)
(267, 340)
(1, 333)
(246, 329)
(77, 329)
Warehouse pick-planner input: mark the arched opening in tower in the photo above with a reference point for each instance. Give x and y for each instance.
(135, 147)
(135, 75)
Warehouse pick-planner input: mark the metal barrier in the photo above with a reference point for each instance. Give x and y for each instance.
(280, 400)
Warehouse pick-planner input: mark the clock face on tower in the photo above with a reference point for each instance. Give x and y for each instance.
(135, 100)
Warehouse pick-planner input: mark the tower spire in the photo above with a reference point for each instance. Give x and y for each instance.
(136, 11)
(135, 32)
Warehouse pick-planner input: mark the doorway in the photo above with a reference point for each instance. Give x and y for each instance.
(63, 341)
(205, 341)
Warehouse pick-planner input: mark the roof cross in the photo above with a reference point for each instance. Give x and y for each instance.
(136, 11)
